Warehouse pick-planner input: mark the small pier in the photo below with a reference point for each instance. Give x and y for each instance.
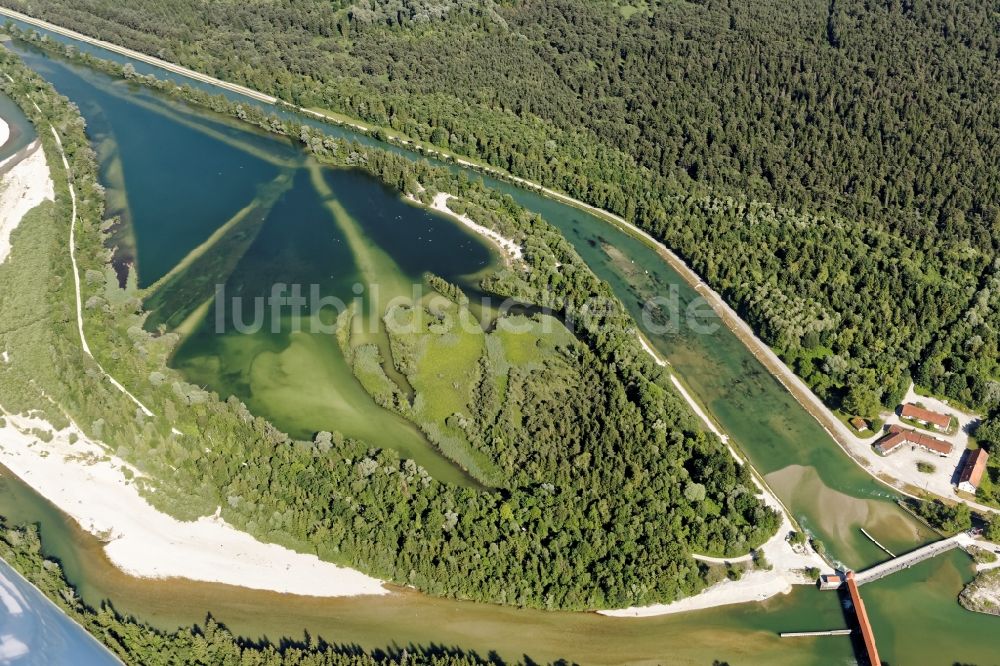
(875, 541)
(801, 634)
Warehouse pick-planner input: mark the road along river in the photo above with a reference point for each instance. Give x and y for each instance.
(824, 490)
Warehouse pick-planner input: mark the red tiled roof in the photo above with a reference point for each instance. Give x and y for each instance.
(866, 628)
(898, 435)
(975, 465)
(911, 411)
(890, 441)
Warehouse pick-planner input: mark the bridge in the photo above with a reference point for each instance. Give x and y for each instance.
(907, 560)
(867, 634)
(854, 580)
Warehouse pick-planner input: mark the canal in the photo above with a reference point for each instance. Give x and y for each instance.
(824, 489)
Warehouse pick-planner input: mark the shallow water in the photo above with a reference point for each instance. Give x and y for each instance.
(21, 131)
(762, 418)
(740, 635)
(338, 232)
(824, 489)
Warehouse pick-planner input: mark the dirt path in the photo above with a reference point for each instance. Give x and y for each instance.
(840, 433)
(76, 272)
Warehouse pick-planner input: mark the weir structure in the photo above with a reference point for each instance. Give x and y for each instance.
(907, 560)
(827, 632)
(854, 580)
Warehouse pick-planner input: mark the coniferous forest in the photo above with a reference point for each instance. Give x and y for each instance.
(622, 475)
(832, 168)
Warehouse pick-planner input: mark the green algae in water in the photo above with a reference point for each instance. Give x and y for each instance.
(295, 374)
(206, 201)
(745, 634)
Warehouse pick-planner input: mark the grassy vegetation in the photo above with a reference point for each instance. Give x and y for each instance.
(918, 425)
(628, 10)
(444, 344)
(452, 363)
(446, 341)
(982, 555)
(874, 424)
(528, 341)
(366, 360)
(594, 446)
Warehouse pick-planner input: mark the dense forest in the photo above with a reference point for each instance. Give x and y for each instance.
(832, 168)
(136, 643)
(647, 488)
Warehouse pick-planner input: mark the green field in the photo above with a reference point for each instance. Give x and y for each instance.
(448, 359)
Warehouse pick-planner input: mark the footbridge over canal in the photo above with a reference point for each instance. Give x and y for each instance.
(912, 558)
(853, 580)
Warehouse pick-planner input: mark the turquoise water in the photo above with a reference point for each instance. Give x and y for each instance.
(763, 419)
(207, 204)
(200, 177)
(822, 487)
(21, 131)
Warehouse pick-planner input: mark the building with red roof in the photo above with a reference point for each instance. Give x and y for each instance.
(926, 416)
(830, 581)
(972, 471)
(898, 436)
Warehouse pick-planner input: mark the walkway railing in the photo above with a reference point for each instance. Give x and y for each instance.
(906, 560)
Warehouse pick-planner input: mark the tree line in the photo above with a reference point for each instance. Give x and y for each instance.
(135, 642)
(831, 168)
(615, 532)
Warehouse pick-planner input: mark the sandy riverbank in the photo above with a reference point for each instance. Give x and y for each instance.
(788, 563)
(99, 491)
(788, 566)
(511, 250)
(26, 185)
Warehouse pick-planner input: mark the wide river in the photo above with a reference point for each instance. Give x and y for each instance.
(221, 167)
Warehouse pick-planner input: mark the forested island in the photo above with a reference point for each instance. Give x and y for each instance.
(631, 488)
(586, 481)
(830, 168)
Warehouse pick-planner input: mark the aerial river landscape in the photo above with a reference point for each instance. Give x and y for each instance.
(304, 225)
